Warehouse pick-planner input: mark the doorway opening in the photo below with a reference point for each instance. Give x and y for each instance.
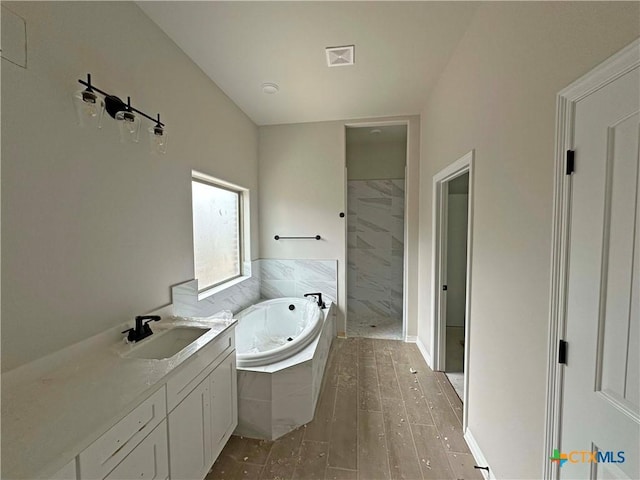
(376, 158)
(457, 213)
(452, 227)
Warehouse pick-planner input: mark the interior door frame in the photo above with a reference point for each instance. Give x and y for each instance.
(608, 71)
(463, 165)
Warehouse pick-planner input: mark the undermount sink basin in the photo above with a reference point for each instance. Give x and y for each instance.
(166, 344)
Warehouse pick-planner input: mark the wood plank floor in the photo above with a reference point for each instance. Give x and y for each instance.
(375, 419)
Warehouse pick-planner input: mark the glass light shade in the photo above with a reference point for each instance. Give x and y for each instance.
(158, 137)
(129, 124)
(89, 108)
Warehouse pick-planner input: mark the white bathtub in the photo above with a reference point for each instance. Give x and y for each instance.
(278, 397)
(273, 330)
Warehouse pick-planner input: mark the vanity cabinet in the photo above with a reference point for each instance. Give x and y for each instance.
(124, 439)
(190, 437)
(177, 432)
(224, 403)
(203, 421)
(149, 460)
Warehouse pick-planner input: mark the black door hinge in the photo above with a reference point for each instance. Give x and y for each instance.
(444, 287)
(571, 163)
(562, 352)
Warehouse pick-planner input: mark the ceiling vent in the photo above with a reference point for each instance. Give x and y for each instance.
(340, 56)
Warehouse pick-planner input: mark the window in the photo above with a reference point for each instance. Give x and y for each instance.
(217, 232)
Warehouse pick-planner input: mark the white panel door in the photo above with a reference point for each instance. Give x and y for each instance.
(601, 410)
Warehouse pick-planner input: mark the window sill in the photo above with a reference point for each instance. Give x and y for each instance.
(221, 288)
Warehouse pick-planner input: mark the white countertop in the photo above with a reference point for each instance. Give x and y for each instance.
(55, 407)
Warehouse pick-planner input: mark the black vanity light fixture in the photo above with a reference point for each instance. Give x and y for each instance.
(90, 108)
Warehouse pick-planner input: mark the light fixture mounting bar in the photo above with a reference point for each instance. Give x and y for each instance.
(87, 83)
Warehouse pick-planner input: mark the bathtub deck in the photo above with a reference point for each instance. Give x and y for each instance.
(373, 421)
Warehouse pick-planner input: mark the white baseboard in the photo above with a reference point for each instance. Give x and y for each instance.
(410, 339)
(478, 455)
(425, 354)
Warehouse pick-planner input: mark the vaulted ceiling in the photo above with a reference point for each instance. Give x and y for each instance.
(400, 50)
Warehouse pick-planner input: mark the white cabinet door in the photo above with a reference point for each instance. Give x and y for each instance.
(190, 435)
(224, 403)
(149, 460)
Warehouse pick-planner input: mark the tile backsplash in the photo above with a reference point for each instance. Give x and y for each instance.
(294, 278)
(269, 279)
(235, 298)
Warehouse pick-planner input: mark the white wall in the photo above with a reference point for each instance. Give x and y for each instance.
(497, 96)
(375, 160)
(94, 231)
(302, 192)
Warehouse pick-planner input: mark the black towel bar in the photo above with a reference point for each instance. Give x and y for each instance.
(278, 237)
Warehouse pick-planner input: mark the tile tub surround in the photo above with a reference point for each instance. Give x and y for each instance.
(268, 279)
(358, 432)
(375, 255)
(294, 278)
(235, 297)
(277, 398)
(55, 407)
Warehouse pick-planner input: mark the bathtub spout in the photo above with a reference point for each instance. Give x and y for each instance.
(318, 297)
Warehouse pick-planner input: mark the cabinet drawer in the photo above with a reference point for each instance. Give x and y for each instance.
(110, 449)
(195, 370)
(149, 460)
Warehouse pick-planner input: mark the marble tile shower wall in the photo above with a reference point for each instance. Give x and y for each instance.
(294, 278)
(269, 279)
(375, 230)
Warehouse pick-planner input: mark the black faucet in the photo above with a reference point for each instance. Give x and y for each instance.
(142, 328)
(318, 297)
